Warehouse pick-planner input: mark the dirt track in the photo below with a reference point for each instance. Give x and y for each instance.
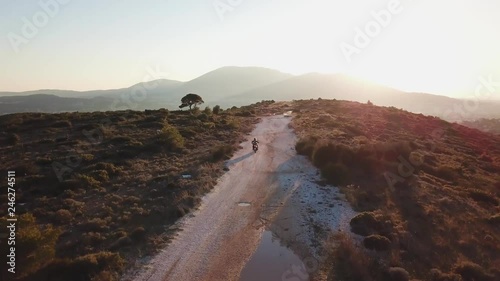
(272, 189)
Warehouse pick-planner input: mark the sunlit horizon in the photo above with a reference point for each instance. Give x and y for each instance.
(437, 48)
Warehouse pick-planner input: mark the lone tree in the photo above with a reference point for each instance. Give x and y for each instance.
(190, 100)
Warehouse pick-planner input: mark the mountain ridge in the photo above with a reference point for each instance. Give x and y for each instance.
(236, 86)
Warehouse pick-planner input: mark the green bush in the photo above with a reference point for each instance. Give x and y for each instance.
(100, 175)
(108, 167)
(233, 123)
(171, 138)
(35, 244)
(87, 181)
(87, 157)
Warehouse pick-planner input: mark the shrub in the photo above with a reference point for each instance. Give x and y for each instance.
(207, 111)
(398, 274)
(306, 146)
(335, 173)
(132, 200)
(63, 216)
(195, 110)
(12, 139)
(171, 138)
(377, 243)
(472, 272)
(85, 267)
(106, 276)
(87, 157)
(88, 181)
(483, 196)
(43, 160)
(138, 234)
(437, 275)
(203, 116)
(494, 220)
(350, 262)
(217, 109)
(221, 152)
(233, 123)
(324, 154)
(120, 243)
(73, 204)
(367, 223)
(120, 140)
(245, 113)
(446, 172)
(35, 244)
(94, 225)
(100, 175)
(27, 168)
(209, 125)
(62, 124)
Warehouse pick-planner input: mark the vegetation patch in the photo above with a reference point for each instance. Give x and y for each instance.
(101, 195)
(427, 190)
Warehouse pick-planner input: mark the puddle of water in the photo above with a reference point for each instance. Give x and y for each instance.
(244, 204)
(273, 262)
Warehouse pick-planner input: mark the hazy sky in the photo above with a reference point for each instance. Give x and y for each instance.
(432, 46)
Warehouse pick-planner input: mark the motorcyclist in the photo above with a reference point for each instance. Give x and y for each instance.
(255, 142)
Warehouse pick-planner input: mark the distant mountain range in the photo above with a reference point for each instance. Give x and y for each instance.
(237, 86)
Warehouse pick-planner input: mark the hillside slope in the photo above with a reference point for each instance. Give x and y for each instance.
(342, 87)
(429, 190)
(96, 191)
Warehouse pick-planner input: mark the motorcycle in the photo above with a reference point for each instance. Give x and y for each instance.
(255, 148)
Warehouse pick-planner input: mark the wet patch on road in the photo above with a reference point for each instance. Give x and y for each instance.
(272, 261)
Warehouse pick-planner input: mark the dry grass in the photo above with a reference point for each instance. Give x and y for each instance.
(431, 187)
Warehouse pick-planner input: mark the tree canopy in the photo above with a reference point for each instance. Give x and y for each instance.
(190, 100)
